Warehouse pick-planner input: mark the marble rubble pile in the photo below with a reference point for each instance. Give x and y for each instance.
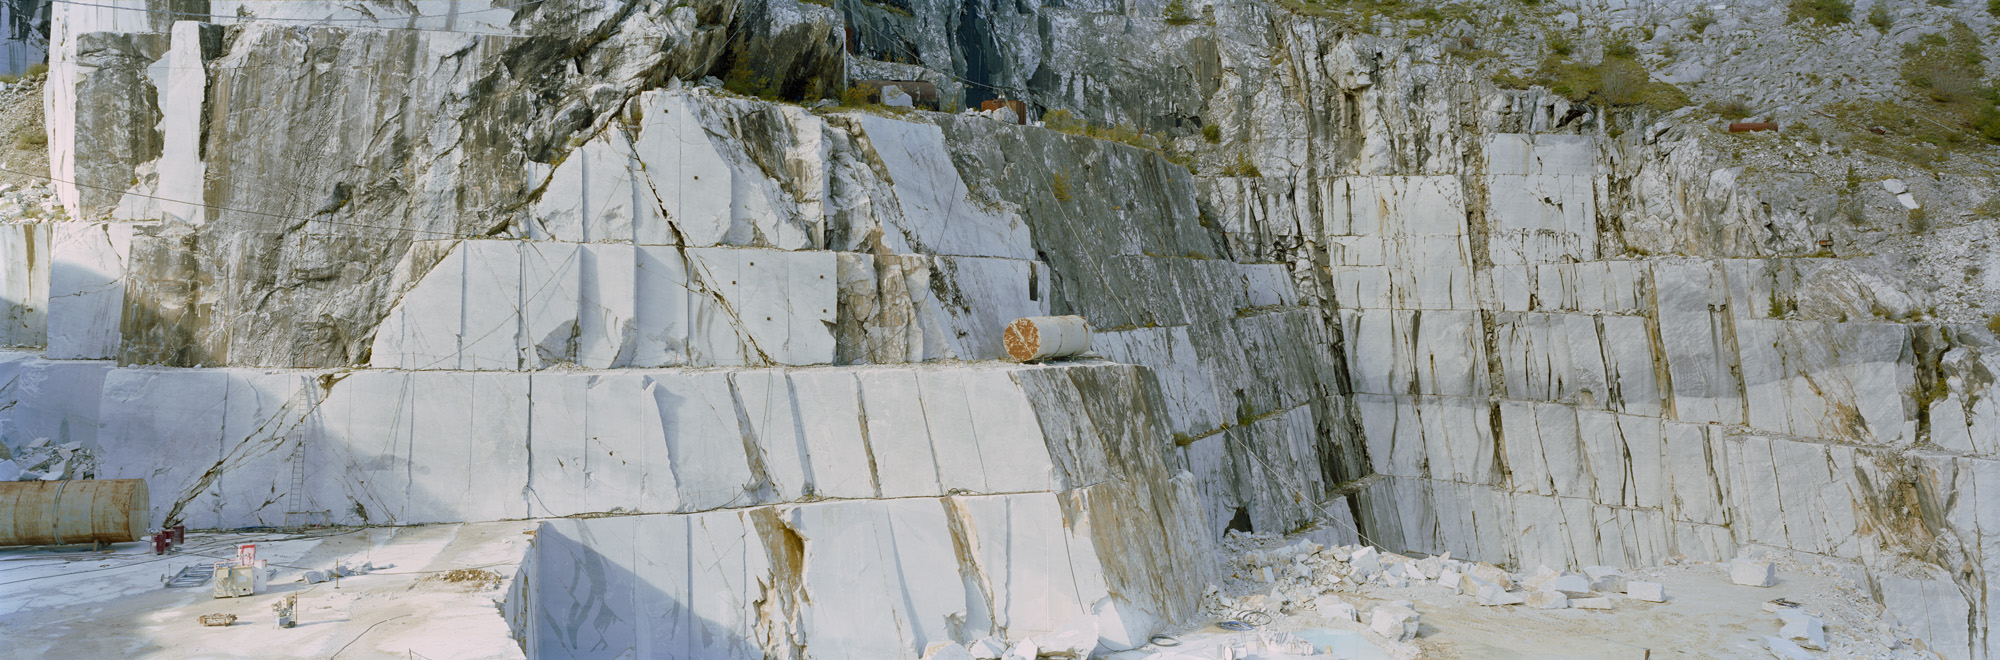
(515, 267)
(1408, 605)
(40, 460)
(1308, 577)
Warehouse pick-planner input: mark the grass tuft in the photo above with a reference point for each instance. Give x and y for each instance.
(1823, 12)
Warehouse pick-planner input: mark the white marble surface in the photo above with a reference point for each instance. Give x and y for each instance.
(87, 289)
(515, 305)
(24, 284)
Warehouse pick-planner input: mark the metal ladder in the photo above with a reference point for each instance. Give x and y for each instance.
(296, 516)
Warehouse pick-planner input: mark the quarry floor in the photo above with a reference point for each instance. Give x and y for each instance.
(82, 604)
(1705, 615)
(113, 603)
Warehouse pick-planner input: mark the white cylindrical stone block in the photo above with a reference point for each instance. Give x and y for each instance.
(1043, 337)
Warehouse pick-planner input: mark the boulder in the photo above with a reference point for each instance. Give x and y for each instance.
(1471, 586)
(947, 651)
(1597, 603)
(1804, 627)
(1541, 576)
(1365, 561)
(1547, 600)
(1493, 574)
(1605, 579)
(1331, 607)
(1494, 595)
(895, 97)
(1785, 649)
(1596, 573)
(987, 648)
(1646, 591)
(1025, 650)
(1567, 583)
(1753, 573)
(1398, 623)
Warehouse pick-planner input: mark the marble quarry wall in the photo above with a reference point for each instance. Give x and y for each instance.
(1083, 523)
(1576, 347)
(503, 263)
(678, 323)
(1566, 336)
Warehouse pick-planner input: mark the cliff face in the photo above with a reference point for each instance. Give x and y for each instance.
(498, 263)
(1578, 334)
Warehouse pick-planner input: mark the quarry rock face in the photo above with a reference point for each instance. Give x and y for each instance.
(502, 263)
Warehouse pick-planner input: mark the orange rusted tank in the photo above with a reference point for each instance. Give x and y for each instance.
(74, 511)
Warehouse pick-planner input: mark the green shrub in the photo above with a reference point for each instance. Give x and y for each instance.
(1065, 121)
(1702, 18)
(1729, 109)
(1879, 16)
(1059, 185)
(1507, 80)
(1212, 133)
(854, 97)
(1241, 167)
(1621, 48)
(743, 80)
(1993, 7)
(1622, 82)
(1987, 122)
(1613, 81)
(1823, 12)
(1993, 324)
(1948, 67)
(1062, 120)
(37, 69)
(1561, 45)
(30, 140)
(1176, 13)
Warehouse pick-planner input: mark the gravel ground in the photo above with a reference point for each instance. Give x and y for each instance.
(1705, 614)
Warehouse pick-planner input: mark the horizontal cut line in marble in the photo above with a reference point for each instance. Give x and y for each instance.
(1734, 429)
(393, 435)
(1242, 423)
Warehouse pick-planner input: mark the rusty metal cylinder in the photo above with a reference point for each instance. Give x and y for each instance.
(1748, 126)
(74, 511)
(1043, 337)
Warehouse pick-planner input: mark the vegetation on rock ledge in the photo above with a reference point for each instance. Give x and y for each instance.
(1616, 80)
(1822, 12)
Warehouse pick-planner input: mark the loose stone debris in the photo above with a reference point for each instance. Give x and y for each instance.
(1541, 613)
